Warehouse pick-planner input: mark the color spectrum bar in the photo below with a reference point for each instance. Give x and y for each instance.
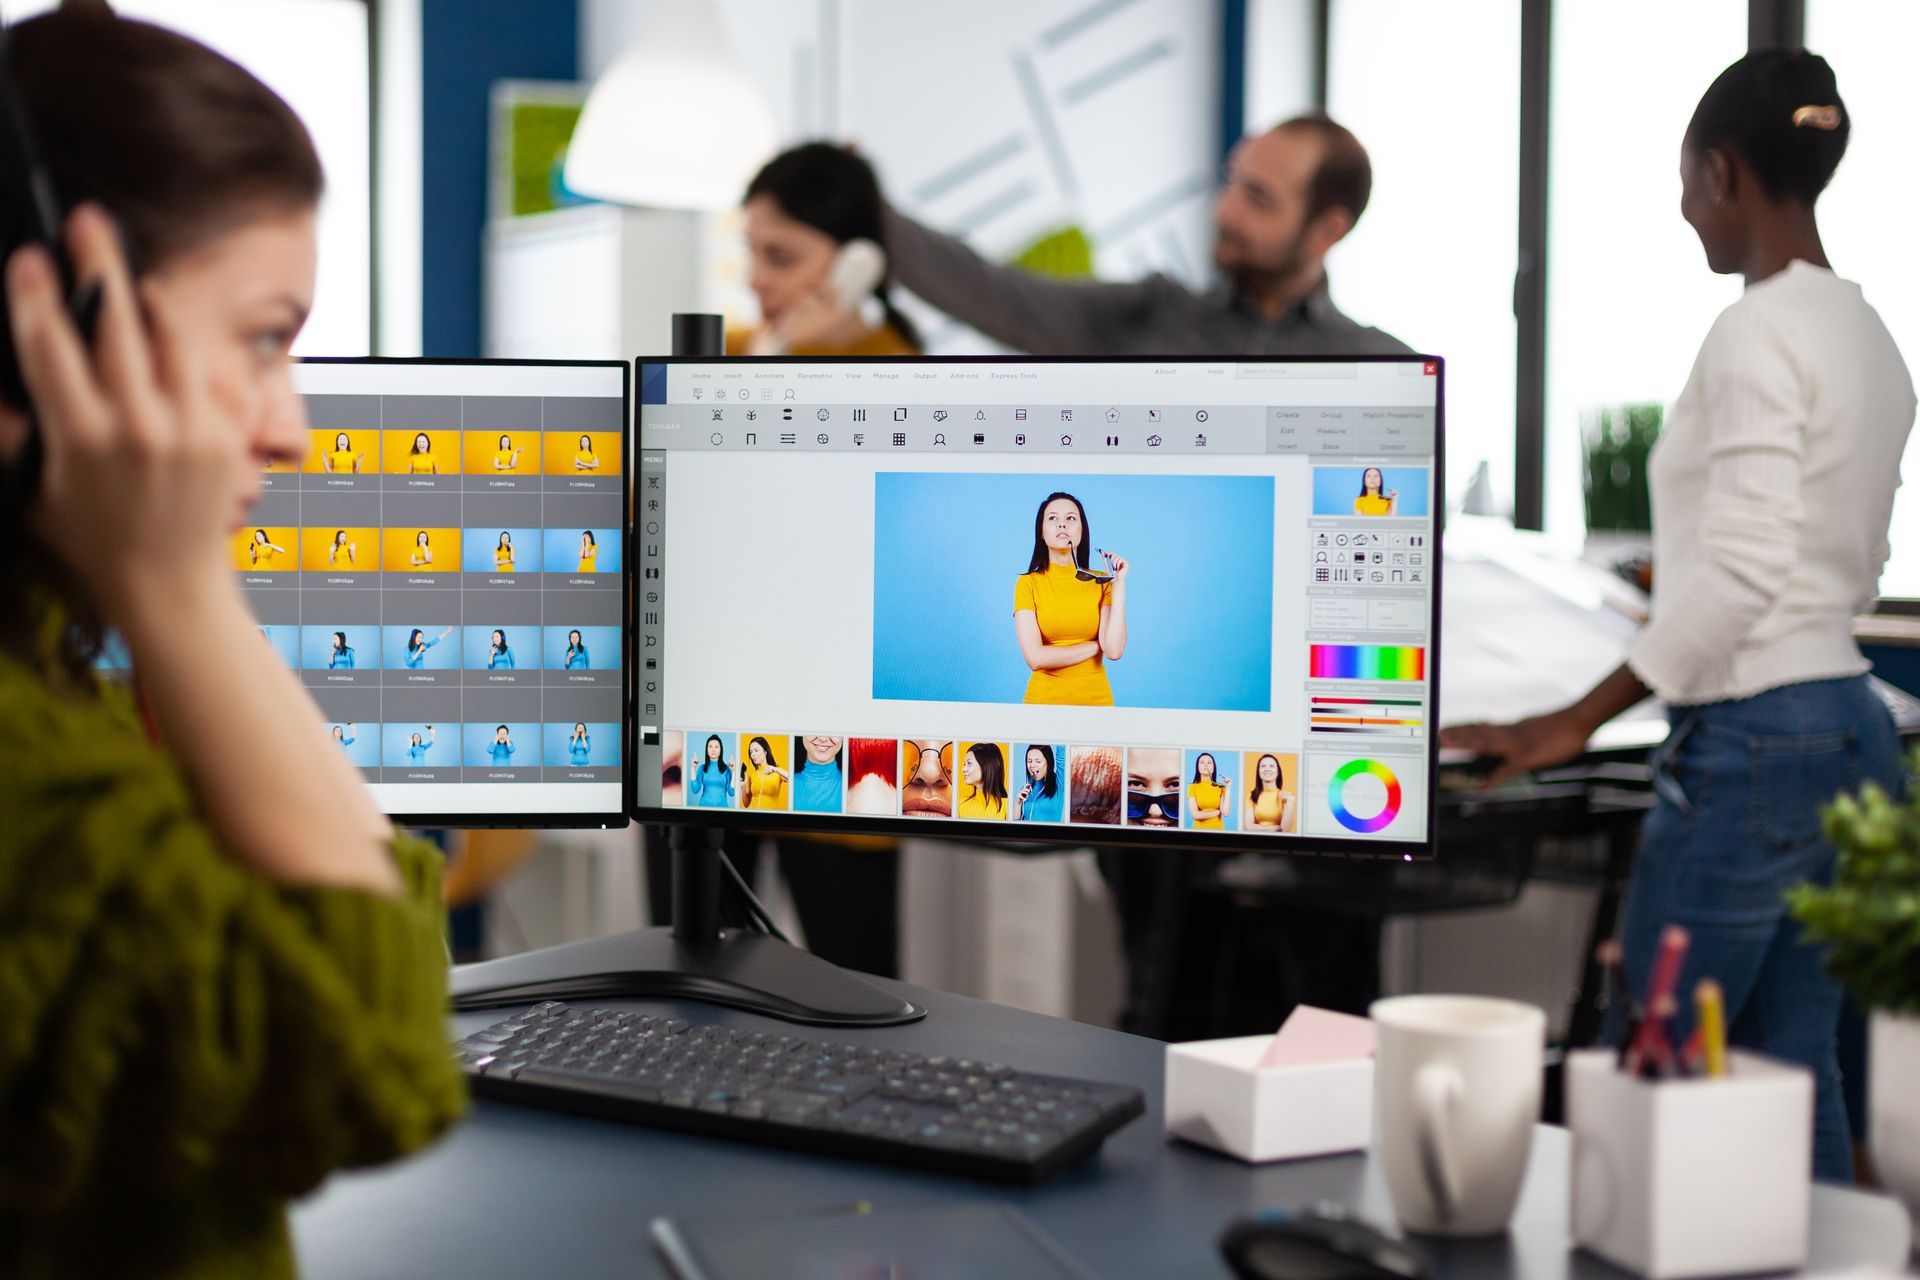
(1368, 662)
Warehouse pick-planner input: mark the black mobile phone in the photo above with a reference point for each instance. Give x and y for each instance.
(30, 213)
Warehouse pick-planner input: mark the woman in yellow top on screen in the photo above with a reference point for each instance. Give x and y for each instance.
(1070, 620)
(342, 546)
(420, 459)
(422, 554)
(1208, 792)
(503, 553)
(584, 458)
(1375, 498)
(1269, 805)
(589, 550)
(814, 220)
(763, 783)
(983, 782)
(262, 552)
(506, 457)
(343, 460)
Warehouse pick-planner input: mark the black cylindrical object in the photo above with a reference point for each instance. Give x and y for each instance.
(699, 333)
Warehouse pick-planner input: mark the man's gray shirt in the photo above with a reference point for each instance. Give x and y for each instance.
(1151, 317)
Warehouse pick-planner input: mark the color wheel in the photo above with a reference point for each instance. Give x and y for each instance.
(1336, 796)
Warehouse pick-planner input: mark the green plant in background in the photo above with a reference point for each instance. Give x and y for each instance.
(1066, 253)
(1870, 916)
(1617, 440)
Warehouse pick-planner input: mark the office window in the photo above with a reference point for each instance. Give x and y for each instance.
(1629, 296)
(1432, 261)
(1866, 216)
(1280, 52)
(314, 54)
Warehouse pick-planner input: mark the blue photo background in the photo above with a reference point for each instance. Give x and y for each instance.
(1042, 809)
(603, 744)
(285, 639)
(1335, 488)
(1224, 762)
(476, 549)
(563, 550)
(717, 797)
(441, 655)
(364, 750)
(476, 738)
(316, 645)
(522, 641)
(443, 754)
(1199, 585)
(602, 645)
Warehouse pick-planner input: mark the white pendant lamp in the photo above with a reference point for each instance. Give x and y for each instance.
(674, 123)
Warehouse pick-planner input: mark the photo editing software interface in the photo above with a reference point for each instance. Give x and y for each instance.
(444, 570)
(1156, 595)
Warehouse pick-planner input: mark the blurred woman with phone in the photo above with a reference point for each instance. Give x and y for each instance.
(224, 970)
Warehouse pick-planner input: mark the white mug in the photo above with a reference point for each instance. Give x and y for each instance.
(1456, 1095)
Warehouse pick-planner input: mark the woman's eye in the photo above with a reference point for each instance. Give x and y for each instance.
(271, 344)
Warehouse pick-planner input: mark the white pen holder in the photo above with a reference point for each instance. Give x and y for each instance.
(1691, 1176)
(1218, 1097)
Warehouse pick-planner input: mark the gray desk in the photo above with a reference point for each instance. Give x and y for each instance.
(529, 1193)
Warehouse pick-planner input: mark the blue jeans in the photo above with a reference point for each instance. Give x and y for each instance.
(1735, 825)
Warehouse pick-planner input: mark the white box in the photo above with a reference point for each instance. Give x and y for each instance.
(1692, 1176)
(1218, 1098)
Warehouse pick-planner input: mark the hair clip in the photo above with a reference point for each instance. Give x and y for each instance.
(1827, 117)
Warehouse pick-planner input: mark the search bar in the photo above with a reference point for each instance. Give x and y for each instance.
(1296, 370)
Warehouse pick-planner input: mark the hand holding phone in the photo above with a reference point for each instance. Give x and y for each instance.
(832, 315)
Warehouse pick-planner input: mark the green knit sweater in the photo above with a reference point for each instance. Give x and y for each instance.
(184, 1045)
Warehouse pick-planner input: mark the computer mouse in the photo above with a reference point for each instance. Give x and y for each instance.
(1323, 1243)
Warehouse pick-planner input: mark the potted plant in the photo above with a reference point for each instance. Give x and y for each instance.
(1617, 440)
(1870, 919)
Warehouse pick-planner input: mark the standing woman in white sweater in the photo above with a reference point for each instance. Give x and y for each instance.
(1772, 488)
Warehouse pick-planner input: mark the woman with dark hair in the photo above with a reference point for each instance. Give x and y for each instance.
(584, 458)
(503, 553)
(499, 652)
(1070, 620)
(983, 782)
(206, 1019)
(1772, 489)
(506, 455)
(262, 551)
(342, 545)
(711, 785)
(341, 656)
(763, 783)
(589, 550)
(1041, 797)
(418, 747)
(577, 657)
(416, 656)
(813, 218)
(420, 555)
(1375, 498)
(1208, 792)
(420, 459)
(501, 750)
(343, 460)
(817, 775)
(1269, 803)
(579, 746)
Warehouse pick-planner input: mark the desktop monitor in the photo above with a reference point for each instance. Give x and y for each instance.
(446, 570)
(1173, 603)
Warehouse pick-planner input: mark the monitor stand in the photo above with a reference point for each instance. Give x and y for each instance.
(694, 959)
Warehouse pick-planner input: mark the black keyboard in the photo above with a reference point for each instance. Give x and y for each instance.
(948, 1115)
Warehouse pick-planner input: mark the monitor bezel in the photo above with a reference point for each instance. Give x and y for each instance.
(1077, 836)
(606, 819)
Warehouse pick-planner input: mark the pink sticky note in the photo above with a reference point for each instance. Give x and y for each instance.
(1311, 1036)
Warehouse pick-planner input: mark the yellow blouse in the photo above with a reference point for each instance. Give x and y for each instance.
(587, 557)
(1068, 612)
(421, 464)
(343, 461)
(765, 789)
(264, 555)
(503, 559)
(503, 459)
(586, 461)
(976, 803)
(1368, 505)
(1207, 795)
(1267, 809)
(341, 555)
